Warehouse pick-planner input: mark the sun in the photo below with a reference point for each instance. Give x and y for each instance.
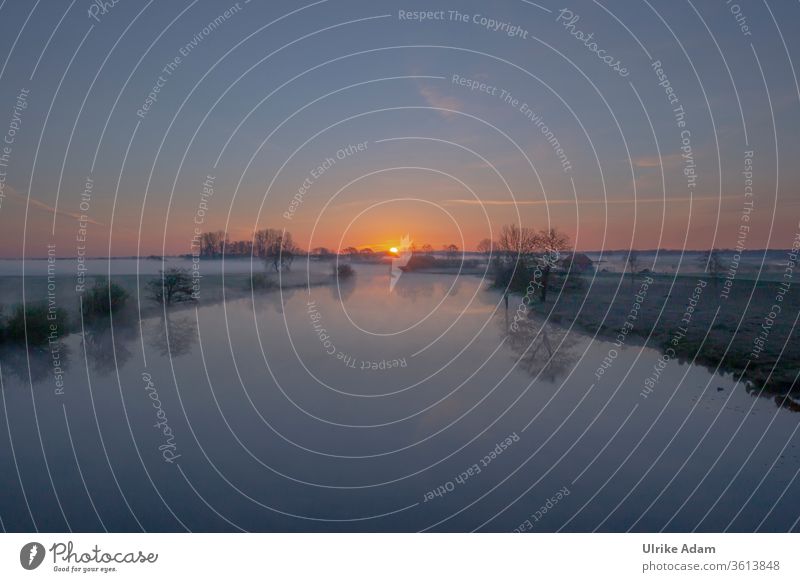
(393, 250)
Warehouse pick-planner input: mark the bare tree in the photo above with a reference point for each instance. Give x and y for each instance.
(260, 243)
(173, 286)
(451, 251)
(552, 242)
(633, 263)
(713, 264)
(485, 247)
(279, 249)
(321, 253)
(517, 242)
(350, 251)
(549, 244)
(212, 244)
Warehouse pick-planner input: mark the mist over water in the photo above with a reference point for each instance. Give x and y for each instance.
(394, 426)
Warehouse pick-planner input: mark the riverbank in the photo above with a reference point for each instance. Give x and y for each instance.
(212, 288)
(689, 319)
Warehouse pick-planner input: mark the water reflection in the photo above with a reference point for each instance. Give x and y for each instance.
(376, 448)
(543, 349)
(108, 349)
(344, 290)
(43, 363)
(175, 334)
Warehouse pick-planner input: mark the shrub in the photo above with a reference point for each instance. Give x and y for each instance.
(42, 323)
(262, 281)
(418, 262)
(343, 271)
(104, 298)
(422, 262)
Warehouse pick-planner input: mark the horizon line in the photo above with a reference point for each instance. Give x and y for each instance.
(593, 251)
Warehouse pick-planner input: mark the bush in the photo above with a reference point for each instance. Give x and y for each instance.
(418, 262)
(422, 262)
(42, 324)
(262, 281)
(104, 298)
(343, 271)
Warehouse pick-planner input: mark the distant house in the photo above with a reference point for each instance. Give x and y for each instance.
(577, 262)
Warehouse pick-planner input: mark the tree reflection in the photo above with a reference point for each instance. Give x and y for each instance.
(106, 351)
(44, 362)
(412, 288)
(175, 335)
(541, 347)
(344, 290)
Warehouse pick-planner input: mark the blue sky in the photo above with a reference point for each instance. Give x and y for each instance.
(277, 88)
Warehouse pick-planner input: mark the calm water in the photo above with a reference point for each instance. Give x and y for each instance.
(355, 409)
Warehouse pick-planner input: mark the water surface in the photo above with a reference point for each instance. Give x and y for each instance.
(349, 408)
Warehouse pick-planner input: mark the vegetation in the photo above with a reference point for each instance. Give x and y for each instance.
(423, 262)
(262, 281)
(343, 271)
(173, 286)
(364, 255)
(104, 298)
(321, 254)
(527, 258)
(633, 263)
(275, 247)
(451, 251)
(279, 251)
(517, 242)
(713, 264)
(485, 247)
(36, 323)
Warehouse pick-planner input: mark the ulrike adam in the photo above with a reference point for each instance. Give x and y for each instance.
(685, 549)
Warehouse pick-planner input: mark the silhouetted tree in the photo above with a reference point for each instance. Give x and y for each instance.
(516, 242)
(350, 251)
(485, 247)
(280, 249)
(712, 264)
(321, 253)
(173, 286)
(212, 244)
(343, 271)
(633, 263)
(549, 244)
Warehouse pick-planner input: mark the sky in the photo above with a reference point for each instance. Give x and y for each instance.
(354, 123)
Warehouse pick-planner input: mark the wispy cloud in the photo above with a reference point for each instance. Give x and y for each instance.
(38, 204)
(444, 102)
(473, 202)
(667, 161)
